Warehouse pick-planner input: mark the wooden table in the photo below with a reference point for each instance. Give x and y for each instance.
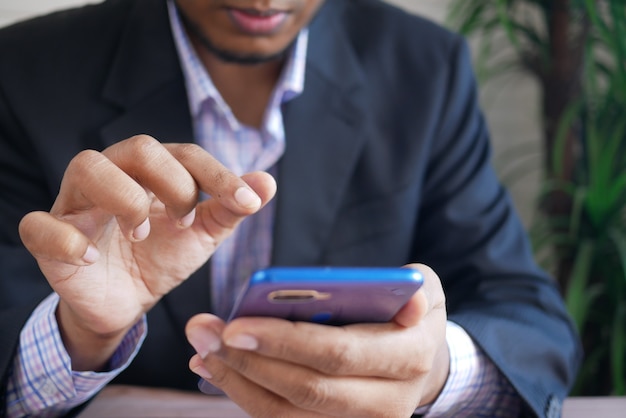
(134, 402)
(601, 407)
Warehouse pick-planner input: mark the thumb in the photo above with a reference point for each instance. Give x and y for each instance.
(427, 298)
(413, 311)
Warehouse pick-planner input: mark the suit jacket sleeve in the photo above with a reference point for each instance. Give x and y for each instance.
(22, 285)
(470, 234)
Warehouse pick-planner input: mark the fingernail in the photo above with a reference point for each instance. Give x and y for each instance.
(243, 342)
(142, 231)
(188, 219)
(247, 198)
(91, 255)
(204, 341)
(202, 372)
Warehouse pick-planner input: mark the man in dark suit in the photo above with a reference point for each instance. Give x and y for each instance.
(367, 118)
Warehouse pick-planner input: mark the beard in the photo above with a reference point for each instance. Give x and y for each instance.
(232, 57)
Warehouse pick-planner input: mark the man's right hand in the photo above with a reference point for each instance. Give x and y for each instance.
(127, 228)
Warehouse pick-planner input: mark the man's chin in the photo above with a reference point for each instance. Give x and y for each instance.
(243, 58)
(230, 56)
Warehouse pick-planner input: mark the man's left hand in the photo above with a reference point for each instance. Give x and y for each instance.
(273, 367)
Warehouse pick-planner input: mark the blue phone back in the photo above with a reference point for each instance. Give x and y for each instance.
(330, 295)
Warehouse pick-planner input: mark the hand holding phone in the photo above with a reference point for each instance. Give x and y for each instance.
(329, 295)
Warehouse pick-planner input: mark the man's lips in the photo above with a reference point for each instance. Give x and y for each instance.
(257, 22)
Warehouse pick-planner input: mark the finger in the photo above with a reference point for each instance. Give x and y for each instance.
(428, 297)
(354, 350)
(230, 190)
(203, 332)
(237, 373)
(152, 165)
(432, 287)
(251, 397)
(262, 183)
(248, 377)
(413, 311)
(219, 220)
(83, 189)
(48, 237)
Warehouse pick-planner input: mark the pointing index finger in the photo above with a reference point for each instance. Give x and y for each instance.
(215, 179)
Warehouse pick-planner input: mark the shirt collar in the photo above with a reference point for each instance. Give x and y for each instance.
(201, 89)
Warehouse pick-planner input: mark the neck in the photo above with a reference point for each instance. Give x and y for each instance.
(246, 88)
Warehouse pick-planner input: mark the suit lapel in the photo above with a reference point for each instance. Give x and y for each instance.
(146, 81)
(324, 135)
(147, 84)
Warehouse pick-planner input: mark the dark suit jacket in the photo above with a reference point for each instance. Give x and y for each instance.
(387, 162)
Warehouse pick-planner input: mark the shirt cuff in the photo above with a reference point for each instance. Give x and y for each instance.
(42, 381)
(475, 386)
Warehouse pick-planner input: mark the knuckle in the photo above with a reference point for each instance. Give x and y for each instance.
(240, 361)
(83, 163)
(333, 358)
(419, 365)
(220, 375)
(142, 142)
(136, 151)
(28, 228)
(147, 151)
(337, 357)
(220, 378)
(313, 393)
(208, 170)
(414, 369)
(87, 156)
(24, 226)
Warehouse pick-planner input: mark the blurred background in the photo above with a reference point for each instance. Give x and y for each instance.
(553, 88)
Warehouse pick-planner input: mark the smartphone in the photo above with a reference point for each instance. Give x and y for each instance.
(328, 295)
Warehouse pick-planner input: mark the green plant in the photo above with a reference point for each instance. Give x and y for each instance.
(577, 51)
